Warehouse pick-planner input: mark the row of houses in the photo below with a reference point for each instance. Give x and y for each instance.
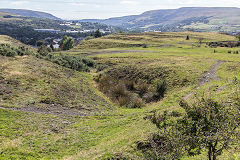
(70, 31)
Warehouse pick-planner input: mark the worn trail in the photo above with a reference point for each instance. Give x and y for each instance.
(207, 77)
(52, 111)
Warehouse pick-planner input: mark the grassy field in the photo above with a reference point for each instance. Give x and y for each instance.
(50, 112)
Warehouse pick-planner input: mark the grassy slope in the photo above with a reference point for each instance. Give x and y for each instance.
(32, 136)
(150, 39)
(8, 40)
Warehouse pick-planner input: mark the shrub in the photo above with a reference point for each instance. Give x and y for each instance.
(123, 101)
(67, 43)
(43, 50)
(135, 102)
(175, 114)
(161, 88)
(130, 84)
(235, 52)
(10, 51)
(73, 62)
(101, 67)
(149, 97)
(128, 92)
(142, 88)
(206, 125)
(40, 43)
(119, 91)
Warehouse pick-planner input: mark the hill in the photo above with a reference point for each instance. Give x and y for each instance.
(52, 112)
(47, 84)
(223, 19)
(30, 29)
(30, 13)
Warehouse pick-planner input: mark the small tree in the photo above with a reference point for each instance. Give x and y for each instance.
(200, 41)
(206, 124)
(161, 88)
(238, 36)
(97, 34)
(43, 50)
(52, 47)
(67, 43)
(40, 43)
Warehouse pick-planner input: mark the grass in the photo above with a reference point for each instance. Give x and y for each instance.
(101, 128)
(8, 40)
(31, 82)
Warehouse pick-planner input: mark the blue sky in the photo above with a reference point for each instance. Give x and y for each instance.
(83, 9)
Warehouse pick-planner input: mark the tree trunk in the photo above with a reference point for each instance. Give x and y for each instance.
(209, 153)
(214, 157)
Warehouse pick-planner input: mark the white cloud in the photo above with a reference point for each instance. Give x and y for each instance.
(129, 2)
(77, 4)
(19, 2)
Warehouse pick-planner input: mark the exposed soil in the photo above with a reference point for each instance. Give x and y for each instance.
(207, 77)
(54, 110)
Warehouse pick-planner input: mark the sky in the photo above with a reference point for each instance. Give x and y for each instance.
(102, 9)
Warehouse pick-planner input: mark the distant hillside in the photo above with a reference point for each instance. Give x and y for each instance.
(194, 18)
(30, 13)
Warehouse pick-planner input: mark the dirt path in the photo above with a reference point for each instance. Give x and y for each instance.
(207, 77)
(120, 51)
(112, 52)
(53, 111)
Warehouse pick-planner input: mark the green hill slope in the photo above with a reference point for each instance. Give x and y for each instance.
(33, 84)
(51, 112)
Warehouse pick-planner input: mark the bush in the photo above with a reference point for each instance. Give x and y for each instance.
(235, 52)
(135, 102)
(161, 88)
(123, 101)
(119, 91)
(101, 67)
(129, 93)
(43, 50)
(206, 125)
(130, 84)
(142, 88)
(145, 46)
(67, 43)
(10, 51)
(73, 62)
